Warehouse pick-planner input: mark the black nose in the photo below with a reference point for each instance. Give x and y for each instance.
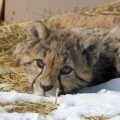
(46, 87)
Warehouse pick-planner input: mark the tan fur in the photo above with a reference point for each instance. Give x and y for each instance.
(73, 19)
(78, 48)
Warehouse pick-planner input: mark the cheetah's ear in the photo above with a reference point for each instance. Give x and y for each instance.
(92, 51)
(37, 31)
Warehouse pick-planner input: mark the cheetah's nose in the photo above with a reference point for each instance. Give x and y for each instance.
(46, 87)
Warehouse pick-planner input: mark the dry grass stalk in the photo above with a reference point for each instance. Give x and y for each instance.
(96, 118)
(107, 9)
(43, 107)
(17, 82)
(10, 35)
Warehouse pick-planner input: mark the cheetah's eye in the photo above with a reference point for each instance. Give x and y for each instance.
(66, 70)
(40, 63)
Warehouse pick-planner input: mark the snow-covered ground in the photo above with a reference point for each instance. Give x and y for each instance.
(72, 107)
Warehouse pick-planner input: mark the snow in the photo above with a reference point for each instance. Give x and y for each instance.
(20, 116)
(112, 85)
(14, 96)
(72, 107)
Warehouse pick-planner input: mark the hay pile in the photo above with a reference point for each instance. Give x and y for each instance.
(96, 118)
(43, 107)
(112, 8)
(10, 35)
(15, 81)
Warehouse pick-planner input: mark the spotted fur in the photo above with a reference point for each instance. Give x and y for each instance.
(68, 59)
